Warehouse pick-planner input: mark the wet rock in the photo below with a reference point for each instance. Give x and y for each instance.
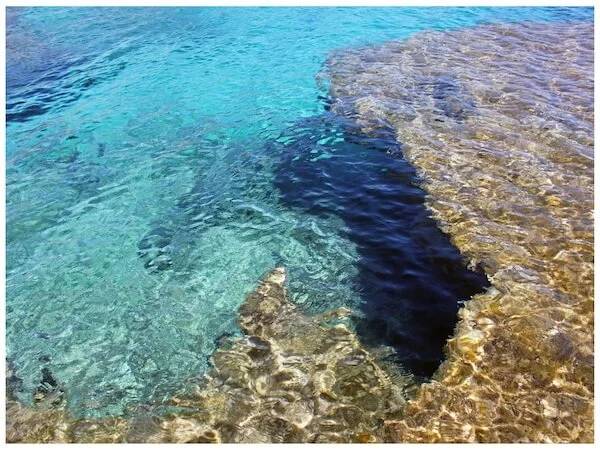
(497, 120)
(449, 98)
(288, 391)
(269, 385)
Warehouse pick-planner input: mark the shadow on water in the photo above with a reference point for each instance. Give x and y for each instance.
(411, 278)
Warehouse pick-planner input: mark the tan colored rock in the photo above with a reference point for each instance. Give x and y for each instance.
(291, 378)
(498, 121)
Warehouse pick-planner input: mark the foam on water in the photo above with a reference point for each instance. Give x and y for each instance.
(141, 202)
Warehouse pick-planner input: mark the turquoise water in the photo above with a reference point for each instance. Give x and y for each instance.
(143, 149)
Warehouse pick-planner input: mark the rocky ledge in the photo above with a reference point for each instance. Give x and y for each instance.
(498, 121)
(290, 378)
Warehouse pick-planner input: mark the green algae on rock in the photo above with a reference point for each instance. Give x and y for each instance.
(498, 121)
(290, 378)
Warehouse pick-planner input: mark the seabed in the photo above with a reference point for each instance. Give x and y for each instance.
(498, 122)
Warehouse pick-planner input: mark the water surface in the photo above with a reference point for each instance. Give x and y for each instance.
(149, 159)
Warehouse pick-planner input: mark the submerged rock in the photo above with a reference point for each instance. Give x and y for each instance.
(294, 378)
(290, 378)
(503, 141)
(498, 119)
(48, 390)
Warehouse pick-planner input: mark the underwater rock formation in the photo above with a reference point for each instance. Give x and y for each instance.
(410, 278)
(290, 378)
(294, 378)
(498, 121)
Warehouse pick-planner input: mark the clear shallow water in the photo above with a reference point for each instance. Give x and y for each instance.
(148, 167)
(499, 120)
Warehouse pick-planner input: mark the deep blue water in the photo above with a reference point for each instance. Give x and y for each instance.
(409, 277)
(160, 161)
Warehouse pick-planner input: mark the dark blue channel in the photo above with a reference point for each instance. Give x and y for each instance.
(411, 278)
